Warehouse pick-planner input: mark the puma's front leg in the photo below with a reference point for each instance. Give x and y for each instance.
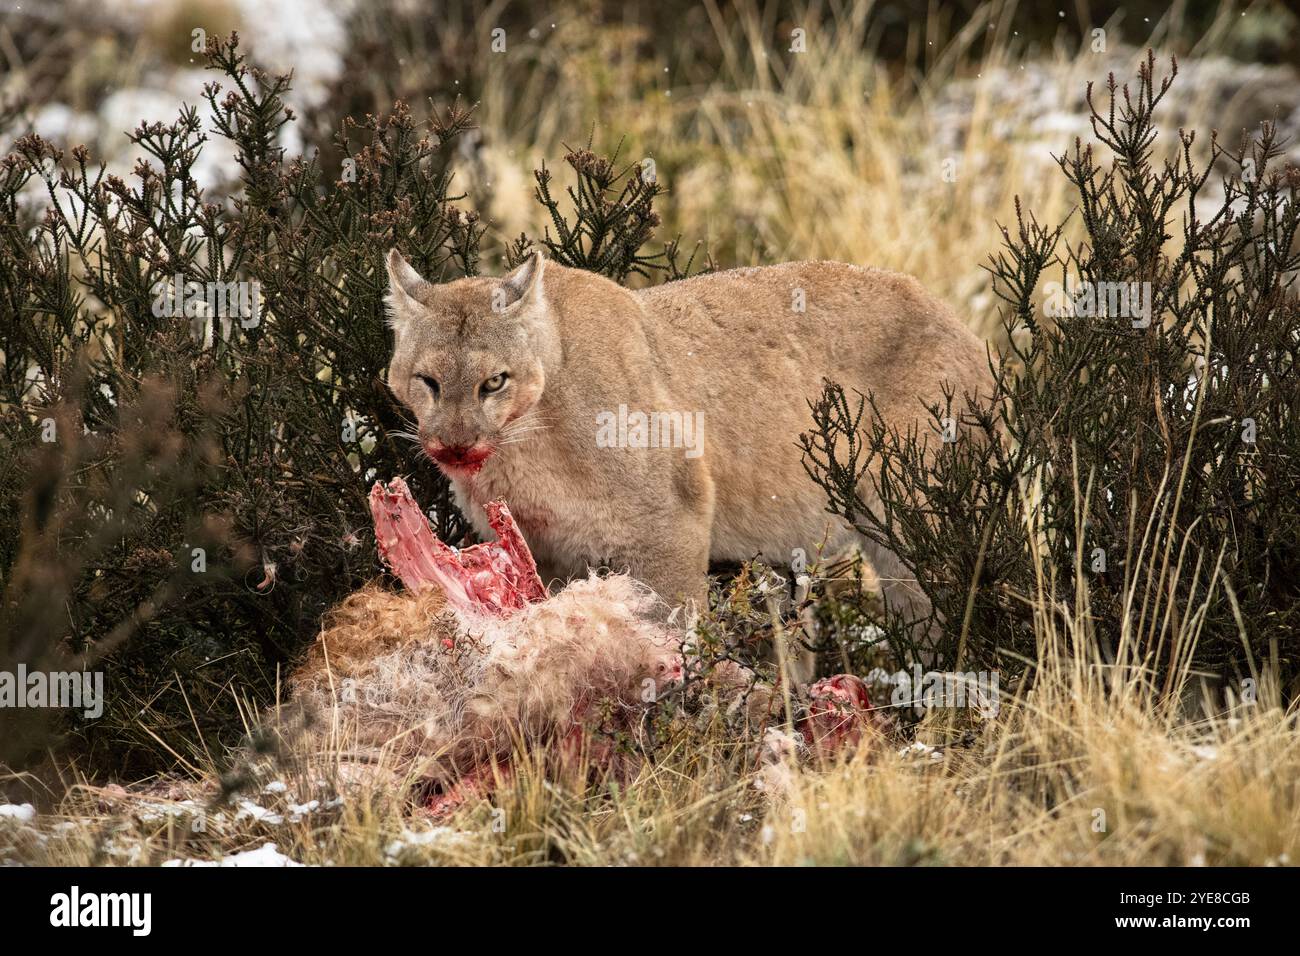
(673, 557)
(675, 565)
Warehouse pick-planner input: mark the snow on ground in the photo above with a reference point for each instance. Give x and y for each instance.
(416, 839)
(22, 812)
(919, 749)
(265, 855)
(153, 812)
(251, 811)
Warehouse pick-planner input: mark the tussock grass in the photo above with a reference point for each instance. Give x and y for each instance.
(1074, 773)
(829, 154)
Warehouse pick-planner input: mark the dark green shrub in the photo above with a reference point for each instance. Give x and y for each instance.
(1146, 498)
(305, 417)
(613, 218)
(254, 438)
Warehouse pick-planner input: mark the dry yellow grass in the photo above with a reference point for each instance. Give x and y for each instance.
(828, 154)
(1091, 763)
(1076, 773)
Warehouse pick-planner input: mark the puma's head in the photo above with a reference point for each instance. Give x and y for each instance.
(470, 358)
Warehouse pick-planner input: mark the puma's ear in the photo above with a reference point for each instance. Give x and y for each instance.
(404, 283)
(522, 285)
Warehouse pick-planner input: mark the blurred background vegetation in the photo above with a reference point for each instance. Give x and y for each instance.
(736, 123)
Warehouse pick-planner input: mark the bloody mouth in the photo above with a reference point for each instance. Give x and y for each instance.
(466, 459)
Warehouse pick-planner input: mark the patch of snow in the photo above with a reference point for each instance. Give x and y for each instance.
(60, 123)
(22, 812)
(917, 748)
(151, 812)
(248, 810)
(299, 810)
(265, 855)
(411, 839)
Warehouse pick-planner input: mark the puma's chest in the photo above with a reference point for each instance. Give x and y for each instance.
(535, 499)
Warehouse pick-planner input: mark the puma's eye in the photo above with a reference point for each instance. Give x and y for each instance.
(431, 384)
(494, 384)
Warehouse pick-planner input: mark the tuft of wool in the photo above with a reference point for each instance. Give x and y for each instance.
(439, 693)
(598, 640)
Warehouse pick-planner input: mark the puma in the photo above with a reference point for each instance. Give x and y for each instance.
(656, 430)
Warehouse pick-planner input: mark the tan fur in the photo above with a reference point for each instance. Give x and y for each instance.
(730, 345)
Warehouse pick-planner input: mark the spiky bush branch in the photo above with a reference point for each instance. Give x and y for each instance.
(1135, 475)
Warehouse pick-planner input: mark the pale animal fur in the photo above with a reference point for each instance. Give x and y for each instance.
(400, 680)
(732, 345)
